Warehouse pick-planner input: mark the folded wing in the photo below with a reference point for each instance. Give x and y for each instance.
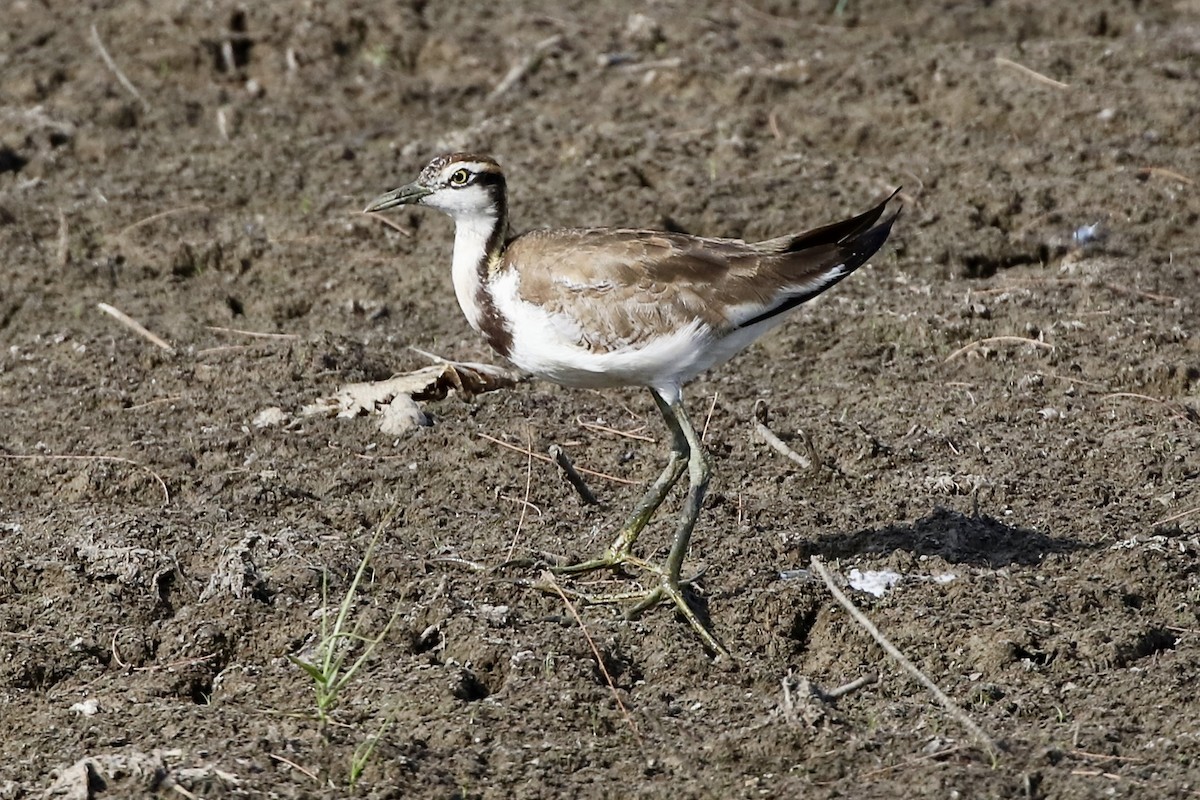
(614, 288)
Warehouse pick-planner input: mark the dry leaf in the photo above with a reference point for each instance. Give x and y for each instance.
(395, 398)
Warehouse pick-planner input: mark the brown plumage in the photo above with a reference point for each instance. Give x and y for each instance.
(625, 285)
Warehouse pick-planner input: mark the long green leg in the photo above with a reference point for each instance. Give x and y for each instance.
(672, 583)
(619, 551)
(687, 452)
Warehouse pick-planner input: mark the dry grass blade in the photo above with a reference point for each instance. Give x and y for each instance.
(512, 546)
(156, 401)
(114, 459)
(998, 340)
(1029, 73)
(1163, 172)
(949, 705)
(596, 426)
(1177, 410)
(912, 762)
(1073, 379)
(1112, 287)
(523, 67)
(170, 212)
(63, 253)
(1178, 516)
(135, 326)
(549, 460)
(389, 222)
(291, 337)
(116, 654)
(1104, 756)
(708, 417)
(294, 766)
(112, 66)
(548, 577)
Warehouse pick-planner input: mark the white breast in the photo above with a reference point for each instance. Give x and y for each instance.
(471, 234)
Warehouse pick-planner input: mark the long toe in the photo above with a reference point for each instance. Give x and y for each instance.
(675, 591)
(609, 559)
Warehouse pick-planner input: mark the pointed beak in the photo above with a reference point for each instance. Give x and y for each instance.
(405, 195)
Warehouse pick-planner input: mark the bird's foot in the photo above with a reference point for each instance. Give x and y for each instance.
(611, 558)
(668, 588)
(618, 554)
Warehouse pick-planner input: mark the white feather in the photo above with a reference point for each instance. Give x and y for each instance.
(548, 346)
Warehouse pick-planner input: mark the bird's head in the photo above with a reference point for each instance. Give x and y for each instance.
(463, 185)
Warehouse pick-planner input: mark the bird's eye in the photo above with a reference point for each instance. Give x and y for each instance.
(460, 177)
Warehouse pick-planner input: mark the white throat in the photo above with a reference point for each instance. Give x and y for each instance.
(471, 234)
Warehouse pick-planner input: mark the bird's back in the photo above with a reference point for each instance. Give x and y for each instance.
(624, 285)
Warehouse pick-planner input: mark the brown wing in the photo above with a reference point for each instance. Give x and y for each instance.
(621, 287)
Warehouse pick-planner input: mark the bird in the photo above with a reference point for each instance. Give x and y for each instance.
(613, 307)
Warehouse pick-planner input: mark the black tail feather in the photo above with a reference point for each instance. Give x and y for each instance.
(856, 242)
(837, 232)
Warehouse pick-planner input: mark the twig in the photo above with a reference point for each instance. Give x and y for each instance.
(789, 704)
(1174, 517)
(997, 340)
(949, 705)
(524, 66)
(573, 476)
(852, 686)
(512, 546)
(548, 576)
(228, 60)
(112, 65)
(1029, 73)
(135, 326)
(549, 460)
(770, 438)
(255, 334)
(115, 459)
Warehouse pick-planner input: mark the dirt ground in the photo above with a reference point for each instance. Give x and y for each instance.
(1003, 406)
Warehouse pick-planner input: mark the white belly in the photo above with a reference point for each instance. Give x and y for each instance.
(550, 346)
